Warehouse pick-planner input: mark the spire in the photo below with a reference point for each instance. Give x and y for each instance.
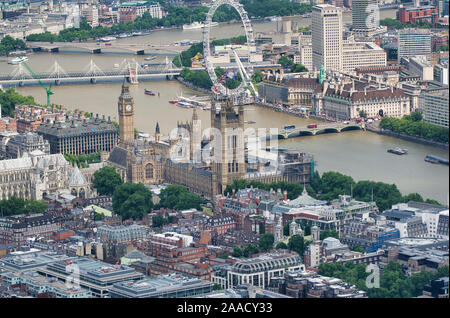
(194, 114)
(125, 86)
(304, 192)
(157, 128)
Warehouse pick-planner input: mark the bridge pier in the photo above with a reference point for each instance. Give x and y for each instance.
(57, 82)
(96, 51)
(140, 52)
(93, 80)
(21, 83)
(54, 49)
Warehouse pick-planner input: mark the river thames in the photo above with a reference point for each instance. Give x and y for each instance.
(360, 154)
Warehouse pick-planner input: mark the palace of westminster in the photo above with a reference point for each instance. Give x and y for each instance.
(156, 161)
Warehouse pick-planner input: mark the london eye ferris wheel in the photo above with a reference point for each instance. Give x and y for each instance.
(242, 60)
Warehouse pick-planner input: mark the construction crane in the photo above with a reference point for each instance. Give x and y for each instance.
(48, 90)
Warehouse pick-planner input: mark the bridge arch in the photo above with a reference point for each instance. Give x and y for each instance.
(327, 131)
(353, 127)
(293, 134)
(305, 133)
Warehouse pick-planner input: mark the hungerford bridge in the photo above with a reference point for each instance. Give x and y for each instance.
(335, 127)
(131, 69)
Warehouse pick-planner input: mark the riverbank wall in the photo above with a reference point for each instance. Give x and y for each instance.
(407, 137)
(192, 86)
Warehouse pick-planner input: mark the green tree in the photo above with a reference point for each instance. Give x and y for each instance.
(299, 68)
(237, 252)
(262, 228)
(257, 77)
(357, 248)
(106, 180)
(179, 198)
(158, 221)
(249, 250)
(333, 184)
(10, 98)
(296, 244)
(362, 113)
(286, 229)
(132, 201)
(328, 233)
(281, 245)
(416, 116)
(266, 242)
(38, 206)
(12, 206)
(285, 62)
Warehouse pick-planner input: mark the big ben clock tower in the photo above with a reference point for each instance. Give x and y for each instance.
(126, 115)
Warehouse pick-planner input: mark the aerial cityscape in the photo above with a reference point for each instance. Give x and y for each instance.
(232, 149)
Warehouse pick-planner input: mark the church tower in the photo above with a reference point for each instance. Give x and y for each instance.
(229, 164)
(126, 115)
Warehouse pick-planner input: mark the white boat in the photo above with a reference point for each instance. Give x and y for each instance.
(192, 101)
(136, 33)
(18, 60)
(149, 58)
(108, 38)
(197, 25)
(184, 105)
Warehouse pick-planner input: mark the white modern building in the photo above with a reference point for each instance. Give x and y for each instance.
(362, 54)
(413, 42)
(327, 40)
(419, 65)
(435, 107)
(155, 10)
(305, 51)
(440, 73)
(260, 270)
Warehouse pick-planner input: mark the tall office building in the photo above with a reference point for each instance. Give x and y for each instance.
(327, 37)
(413, 42)
(365, 16)
(435, 107)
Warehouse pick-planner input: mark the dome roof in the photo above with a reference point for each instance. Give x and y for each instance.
(331, 242)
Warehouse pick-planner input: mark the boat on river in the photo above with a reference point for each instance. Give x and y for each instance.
(18, 60)
(185, 104)
(398, 151)
(148, 92)
(436, 159)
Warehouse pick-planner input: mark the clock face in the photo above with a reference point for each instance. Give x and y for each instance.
(52, 176)
(128, 108)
